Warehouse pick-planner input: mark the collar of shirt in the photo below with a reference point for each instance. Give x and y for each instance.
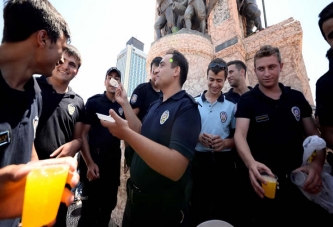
(219, 99)
(284, 89)
(69, 94)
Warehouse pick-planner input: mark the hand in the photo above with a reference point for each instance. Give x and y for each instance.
(12, 185)
(119, 128)
(218, 143)
(121, 96)
(313, 183)
(92, 172)
(205, 140)
(67, 150)
(255, 168)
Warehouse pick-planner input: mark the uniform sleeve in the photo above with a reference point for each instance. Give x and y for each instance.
(186, 130)
(89, 113)
(243, 108)
(324, 109)
(137, 98)
(306, 110)
(82, 112)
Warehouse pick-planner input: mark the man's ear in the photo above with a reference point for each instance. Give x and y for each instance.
(177, 70)
(42, 38)
(281, 65)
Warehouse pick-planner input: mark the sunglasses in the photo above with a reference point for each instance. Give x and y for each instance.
(219, 65)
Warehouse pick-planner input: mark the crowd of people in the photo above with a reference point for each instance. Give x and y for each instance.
(191, 159)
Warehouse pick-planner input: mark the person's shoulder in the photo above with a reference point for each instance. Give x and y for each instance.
(190, 97)
(325, 80)
(95, 98)
(141, 86)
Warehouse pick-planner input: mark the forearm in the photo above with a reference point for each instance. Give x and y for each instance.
(133, 121)
(229, 143)
(243, 149)
(319, 160)
(85, 152)
(158, 157)
(327, 135)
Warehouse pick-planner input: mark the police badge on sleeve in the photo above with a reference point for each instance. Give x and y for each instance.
(164, 117)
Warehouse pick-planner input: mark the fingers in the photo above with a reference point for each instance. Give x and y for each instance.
(56, 152)
(67, 197)
(313, 183)
(256, 186)
(114, 115)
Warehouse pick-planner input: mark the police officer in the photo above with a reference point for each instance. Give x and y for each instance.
(33, 39)
(164, 145)
(59, 130)
(237, 80)
(272, 120)
(100, 170)
(324, 85)
(214, 165)
(143, 95)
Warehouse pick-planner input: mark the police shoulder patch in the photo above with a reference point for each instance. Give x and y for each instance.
(121, 111)
(134, 98)
(296, 112)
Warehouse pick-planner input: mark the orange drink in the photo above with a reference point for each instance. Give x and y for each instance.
(43, 191)
(269, 187)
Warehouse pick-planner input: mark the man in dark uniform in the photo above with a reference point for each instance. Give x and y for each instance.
(59, 130)
(271, 123)
(34, 37)
(164, 145)
(324, 85)
(100, 170)
(143, 95)
(237, 80)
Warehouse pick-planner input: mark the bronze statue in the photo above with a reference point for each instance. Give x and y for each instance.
(166, 18)
(250, 10)
(197, 8)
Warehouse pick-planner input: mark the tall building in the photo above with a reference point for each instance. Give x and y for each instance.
(132, 64)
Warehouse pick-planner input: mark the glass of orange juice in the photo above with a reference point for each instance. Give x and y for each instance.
(270, 186)
(43, 191)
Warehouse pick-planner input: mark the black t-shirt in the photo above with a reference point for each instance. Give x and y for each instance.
(233, 96)
(60, 114)
(99, 136)
(143, 95)
(324, 98)
(174, 123)
(276, 132)
(19, 115)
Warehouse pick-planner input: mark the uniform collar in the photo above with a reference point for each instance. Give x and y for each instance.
(219, 99)
(70, 93)
(284, 89)
(30, 85)
(180, 94)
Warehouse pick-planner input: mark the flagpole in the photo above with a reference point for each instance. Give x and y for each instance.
(263, 6)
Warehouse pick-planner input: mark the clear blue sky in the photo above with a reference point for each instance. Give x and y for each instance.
(101, 28)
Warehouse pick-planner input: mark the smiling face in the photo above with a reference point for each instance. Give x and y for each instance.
(328, 31)
(215, 82)
(66, 69)
(268, 70)
(165, 74)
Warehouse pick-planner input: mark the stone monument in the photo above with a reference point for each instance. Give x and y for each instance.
(227, 38)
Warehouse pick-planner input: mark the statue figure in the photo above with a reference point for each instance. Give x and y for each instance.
(166, 18)
(198, 8)
(250, 10)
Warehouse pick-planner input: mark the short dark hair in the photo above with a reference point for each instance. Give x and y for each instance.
(156, 61)
(324, 15)
(178, 59)
(72, 51)
(217, 65)
(22, 18)
(238, 64)
(266, 51)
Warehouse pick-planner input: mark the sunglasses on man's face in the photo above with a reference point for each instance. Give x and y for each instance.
(220, 65)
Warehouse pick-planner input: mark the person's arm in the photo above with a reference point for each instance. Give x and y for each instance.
(34, 155)
(133, 121)
(12, 185)
(327, 135)
(136, 111)
(92, 168)
(72, 147)
(157, 156)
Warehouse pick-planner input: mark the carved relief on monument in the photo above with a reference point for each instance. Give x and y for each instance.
(220, 12)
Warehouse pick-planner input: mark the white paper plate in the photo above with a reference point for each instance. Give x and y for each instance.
(105, 117)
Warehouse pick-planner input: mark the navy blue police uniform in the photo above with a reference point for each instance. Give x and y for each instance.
(153, 199)
(106, 153)
(19, 117)
(275, 137)
(56, 126)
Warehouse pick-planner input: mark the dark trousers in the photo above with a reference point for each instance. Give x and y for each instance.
(61, 216)
(101, 193)
(214, 188)
(152, 210)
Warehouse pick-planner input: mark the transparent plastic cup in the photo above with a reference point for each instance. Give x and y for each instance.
(298, 178)
(43, 191)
